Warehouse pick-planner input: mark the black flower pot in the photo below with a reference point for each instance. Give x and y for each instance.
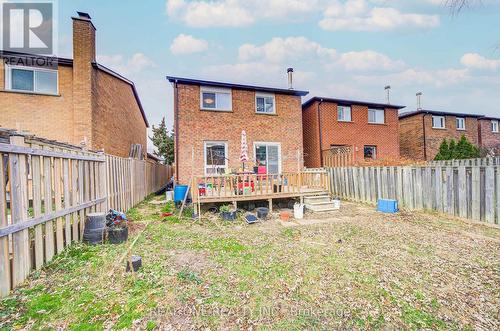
(117, 235)
(228, 215)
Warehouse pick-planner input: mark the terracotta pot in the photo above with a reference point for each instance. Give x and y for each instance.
(284, 216)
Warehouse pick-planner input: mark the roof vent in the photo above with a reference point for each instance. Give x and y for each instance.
(289, 71)
(83, 15)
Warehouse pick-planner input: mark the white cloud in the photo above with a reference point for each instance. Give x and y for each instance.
(137, 63)
(368, 60)
(476, 61)
(237, 13)
(293, 49)
(280, 49)
(417, 77)
(187, 44)
(356, 15)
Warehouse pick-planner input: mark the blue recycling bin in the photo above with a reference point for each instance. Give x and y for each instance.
(180, 192)
(387, 206)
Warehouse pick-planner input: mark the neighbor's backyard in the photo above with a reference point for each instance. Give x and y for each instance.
(354, 269)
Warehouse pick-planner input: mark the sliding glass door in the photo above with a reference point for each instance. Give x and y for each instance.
(268, 155)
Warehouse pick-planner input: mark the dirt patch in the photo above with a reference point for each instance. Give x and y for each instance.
(195, 261)
(135, 227)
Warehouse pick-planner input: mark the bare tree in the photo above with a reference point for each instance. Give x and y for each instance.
(456, 6)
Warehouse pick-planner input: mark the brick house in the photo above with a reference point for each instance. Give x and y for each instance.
(489, 132)
(369, 129)
(77, 101)
(423, 131)
(209, 118)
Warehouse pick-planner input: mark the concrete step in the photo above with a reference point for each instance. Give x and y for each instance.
(320, 206)
(316, 198)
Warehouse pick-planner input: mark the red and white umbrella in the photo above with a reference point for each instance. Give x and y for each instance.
(244, 147)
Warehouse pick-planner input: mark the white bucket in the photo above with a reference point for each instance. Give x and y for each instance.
(170, 195)
(298, 211)
(336, 203)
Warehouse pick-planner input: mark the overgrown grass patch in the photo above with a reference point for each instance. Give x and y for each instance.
(361, 270)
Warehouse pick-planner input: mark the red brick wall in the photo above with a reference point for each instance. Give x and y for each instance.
(357, 133)
(488, 139)
(197, 126)
(411, 137)
(310, 130)
(116, 118)
(434, 137)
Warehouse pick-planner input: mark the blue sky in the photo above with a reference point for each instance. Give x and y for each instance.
(343, 49)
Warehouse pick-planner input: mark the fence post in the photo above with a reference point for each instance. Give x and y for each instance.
(19, 210)
(4, 241)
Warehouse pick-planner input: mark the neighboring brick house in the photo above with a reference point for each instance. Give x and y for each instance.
(423, 131)
(369, 129)
(489, 133)
(209, 118)
(78, 101)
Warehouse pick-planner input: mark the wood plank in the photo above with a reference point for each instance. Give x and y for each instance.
(489, 194)
(462, 192)
(21, 262)
(24, 150)
(438, 187)
(58, 203)
(476, 193)
(5, 271)
(30, 222)
(450, 192)
(67, 202)
(498, 191)
(37, 209)
(81, 196)
(74, 199)
(48, 204)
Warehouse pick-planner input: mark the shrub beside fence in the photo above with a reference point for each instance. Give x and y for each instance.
(46, 191)
(471, 192)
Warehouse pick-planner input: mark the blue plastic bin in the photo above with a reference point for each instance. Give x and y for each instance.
(180, 192)
(387, 206)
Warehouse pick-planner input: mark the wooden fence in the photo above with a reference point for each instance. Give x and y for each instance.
(471, 192)
(485, 161)
(46, 191)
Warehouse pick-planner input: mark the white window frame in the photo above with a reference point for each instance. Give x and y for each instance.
(265, 95)
(376, 110)
(268, 143)
(443, 121)
(343, 108)
(208, 89)
(8, 78)
(493, 124)
(226, 149)
(462, 119)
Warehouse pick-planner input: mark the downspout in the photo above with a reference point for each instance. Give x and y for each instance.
(425, 139)
(176, 133)
(320, 132)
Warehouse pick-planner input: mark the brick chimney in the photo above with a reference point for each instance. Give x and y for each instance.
(84, 54)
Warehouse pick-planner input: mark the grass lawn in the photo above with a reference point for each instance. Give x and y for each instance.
(356, 269)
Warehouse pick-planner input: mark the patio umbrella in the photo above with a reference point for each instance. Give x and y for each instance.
(244, 149)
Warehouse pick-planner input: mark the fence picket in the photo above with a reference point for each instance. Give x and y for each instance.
(5, 271)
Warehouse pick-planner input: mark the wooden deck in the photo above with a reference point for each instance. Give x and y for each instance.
(252, 187)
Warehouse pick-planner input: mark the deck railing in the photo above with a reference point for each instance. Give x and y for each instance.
(258, 185)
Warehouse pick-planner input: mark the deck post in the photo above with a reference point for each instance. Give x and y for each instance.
(235, 204)
(270, 205)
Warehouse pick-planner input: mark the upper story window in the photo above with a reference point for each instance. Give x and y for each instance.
(376, 116)
(265, 103)
(438, 122)
(344, 114)
(215, 99)
(494, 126)
(31, 79)
(460, 123)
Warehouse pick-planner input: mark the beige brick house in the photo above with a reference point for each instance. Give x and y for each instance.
(209, 118)
(78, 101)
